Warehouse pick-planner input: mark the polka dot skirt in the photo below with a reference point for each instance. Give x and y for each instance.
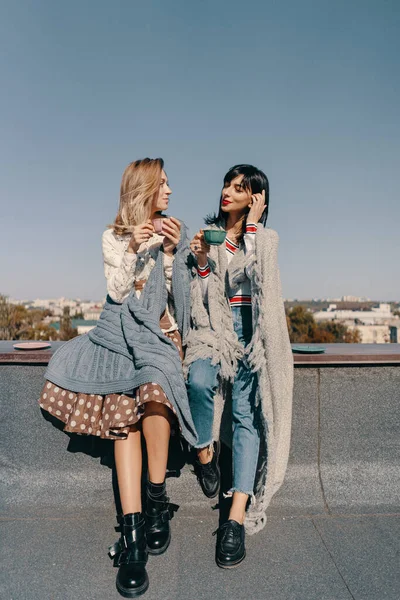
(109, 416)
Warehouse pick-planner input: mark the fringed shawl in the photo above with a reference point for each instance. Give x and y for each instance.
(268, 354)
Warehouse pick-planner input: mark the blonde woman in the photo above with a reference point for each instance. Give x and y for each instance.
(123, 380)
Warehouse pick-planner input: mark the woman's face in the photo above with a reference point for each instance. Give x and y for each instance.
(161, 202)
(234, 197)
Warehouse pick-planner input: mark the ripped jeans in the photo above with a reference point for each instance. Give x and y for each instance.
(202, 384)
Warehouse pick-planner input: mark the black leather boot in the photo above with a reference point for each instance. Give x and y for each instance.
(130, 555)
(230, 544)
(209, 475)
(158, 514)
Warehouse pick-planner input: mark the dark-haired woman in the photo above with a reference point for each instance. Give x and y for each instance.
(239, 360)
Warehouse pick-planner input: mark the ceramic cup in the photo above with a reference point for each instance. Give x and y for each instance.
(158, 225)
(214, 237)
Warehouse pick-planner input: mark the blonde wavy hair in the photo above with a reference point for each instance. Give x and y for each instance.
(140, 186)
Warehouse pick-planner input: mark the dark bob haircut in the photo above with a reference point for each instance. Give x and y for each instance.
(254, 180)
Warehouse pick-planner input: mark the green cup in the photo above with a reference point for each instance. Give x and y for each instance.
(214, 237)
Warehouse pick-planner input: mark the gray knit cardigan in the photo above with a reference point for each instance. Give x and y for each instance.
(269, 355)
(128, 349)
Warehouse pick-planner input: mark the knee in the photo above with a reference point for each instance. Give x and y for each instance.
(158, 409)
(195, 382)
(201, 379)
(245, 417)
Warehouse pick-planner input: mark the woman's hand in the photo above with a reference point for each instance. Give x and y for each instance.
(172, 232)
(257, 207)
(199, 248)
(140, 233)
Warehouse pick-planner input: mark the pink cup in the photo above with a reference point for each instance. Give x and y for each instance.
(158, 225)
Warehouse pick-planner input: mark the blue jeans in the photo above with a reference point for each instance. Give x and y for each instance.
(202, 384)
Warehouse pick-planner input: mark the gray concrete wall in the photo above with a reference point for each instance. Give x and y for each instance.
(344, 454)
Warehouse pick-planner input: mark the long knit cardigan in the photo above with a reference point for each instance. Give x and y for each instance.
(269, 355)
(128, 349)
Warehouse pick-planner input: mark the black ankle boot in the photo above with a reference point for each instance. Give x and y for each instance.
(130, 555)
(208, 475)
(230, 544)
(159, 512)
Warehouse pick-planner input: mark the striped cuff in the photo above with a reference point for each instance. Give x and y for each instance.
(203, 272)
(240, 301)
(251, 228)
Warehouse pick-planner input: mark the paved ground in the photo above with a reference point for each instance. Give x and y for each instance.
(333, 531)
(294, 558)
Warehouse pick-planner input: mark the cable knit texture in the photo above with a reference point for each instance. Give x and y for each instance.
(123, 268)
(268, 354)
(127, 347)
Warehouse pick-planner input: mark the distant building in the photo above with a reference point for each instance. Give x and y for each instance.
(354, 299)
(81, 325)
(374, 323)
(57, 305)
(92, 314)
(394, 334)
(380, 315)
(373, 334)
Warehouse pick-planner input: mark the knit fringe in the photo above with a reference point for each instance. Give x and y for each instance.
(268, 354)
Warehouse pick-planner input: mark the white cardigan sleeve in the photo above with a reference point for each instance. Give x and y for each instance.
(168, 264)
(119, 266)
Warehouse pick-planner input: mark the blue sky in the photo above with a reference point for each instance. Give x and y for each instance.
(307, 90)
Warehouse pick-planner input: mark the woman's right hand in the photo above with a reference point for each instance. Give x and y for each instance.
(140, 233)
(199, 248)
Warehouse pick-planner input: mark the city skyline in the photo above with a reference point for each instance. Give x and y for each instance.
(309, 92)
(343, 298)
(345, 320)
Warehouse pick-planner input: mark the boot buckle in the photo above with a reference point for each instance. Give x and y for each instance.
(115, 549)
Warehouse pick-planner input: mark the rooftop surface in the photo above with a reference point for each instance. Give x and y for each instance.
(294, 558)
(332, 533)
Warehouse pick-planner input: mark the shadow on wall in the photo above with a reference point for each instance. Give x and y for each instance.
(96, 447)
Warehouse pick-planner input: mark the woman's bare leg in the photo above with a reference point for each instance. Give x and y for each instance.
(205, 454)
(128, 463)
(238, 508)
(156, 430)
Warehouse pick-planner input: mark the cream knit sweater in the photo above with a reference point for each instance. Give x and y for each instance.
(123, 268)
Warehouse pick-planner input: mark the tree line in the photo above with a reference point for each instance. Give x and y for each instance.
(304, 329)
(20, 323)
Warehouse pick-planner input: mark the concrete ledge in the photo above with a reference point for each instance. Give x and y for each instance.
(350, 354)
(344, 453)
(336, 354)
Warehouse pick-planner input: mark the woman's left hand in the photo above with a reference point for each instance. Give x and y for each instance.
(257, 207)
(172, 232)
